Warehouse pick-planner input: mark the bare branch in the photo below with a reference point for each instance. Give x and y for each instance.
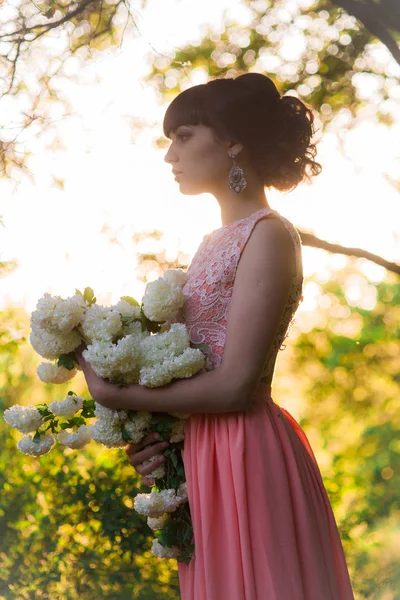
(308, 239)
(377, 18)
(14, 35)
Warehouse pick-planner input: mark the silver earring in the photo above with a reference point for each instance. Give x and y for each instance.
(237, 181)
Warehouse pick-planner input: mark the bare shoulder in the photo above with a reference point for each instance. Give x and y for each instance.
(260, 294)
(269, 244)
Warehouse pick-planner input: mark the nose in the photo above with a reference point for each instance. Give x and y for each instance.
(167, 157)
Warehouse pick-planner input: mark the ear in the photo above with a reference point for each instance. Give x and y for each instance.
(235, 147)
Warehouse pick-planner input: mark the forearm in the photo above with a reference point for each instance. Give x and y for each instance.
(207, 392)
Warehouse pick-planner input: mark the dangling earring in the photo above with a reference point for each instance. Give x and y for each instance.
(237, 182)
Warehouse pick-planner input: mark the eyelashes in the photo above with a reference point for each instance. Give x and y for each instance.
(179, 137)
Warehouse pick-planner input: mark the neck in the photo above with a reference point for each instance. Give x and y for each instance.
(238, 206)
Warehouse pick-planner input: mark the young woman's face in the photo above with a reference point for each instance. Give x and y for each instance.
(201, 161)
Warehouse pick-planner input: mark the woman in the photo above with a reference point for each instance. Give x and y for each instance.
(263, 524)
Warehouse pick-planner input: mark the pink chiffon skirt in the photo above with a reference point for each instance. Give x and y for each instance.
(263, 525)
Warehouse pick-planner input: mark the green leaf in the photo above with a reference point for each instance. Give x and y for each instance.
(203, 347)
(180, 469)
(174, 459)
(67, 360)
(88, 295)
(148, 325)
(43, 410)
(88, 408)
(90, 404)
(36, 437)
(75, 421)
(130, 300)
(125, 435)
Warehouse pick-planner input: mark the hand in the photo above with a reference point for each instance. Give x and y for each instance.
(138, 453)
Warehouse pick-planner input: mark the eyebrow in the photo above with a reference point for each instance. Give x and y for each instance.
(176, 128)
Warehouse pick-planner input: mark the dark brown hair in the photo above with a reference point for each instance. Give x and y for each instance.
(275, 130)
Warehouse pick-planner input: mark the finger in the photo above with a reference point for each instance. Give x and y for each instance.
(148, 481)
(145, 470)
(147, 453)
(148, 439)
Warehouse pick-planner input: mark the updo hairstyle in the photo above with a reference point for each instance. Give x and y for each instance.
(275, 130)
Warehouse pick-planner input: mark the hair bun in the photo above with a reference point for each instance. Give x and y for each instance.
(259, 84)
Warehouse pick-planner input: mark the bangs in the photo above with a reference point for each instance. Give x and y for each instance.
(190, 107)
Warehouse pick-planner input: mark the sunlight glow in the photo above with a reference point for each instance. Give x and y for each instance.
(116, 182)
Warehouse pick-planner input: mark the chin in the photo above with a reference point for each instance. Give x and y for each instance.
(190, 190)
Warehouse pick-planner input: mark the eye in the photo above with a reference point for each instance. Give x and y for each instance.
(182, 135)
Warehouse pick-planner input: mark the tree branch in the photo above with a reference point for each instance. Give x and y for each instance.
(375, 18)
(308, 239)
(19, 34)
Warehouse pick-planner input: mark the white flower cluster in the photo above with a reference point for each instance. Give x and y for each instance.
(43, 446)
(120, 361)
(137, 426)
(77, 439)
(128, 309)
(102, 323)
(51, 373)
(157, 507)
(23, 418)
(117, 348)
(151, 360)
(54, 323)
(58, 316)
(177, 432)
(28, 419)
(66, 408)
(107, 429)
(166, 356)
(163, 551)
(156, 503)
(158, 522)
(52, 345)
(164, 297)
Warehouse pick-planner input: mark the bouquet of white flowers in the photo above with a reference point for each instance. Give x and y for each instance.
(125, 343)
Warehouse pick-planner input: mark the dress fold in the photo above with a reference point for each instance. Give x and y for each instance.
(263, 525)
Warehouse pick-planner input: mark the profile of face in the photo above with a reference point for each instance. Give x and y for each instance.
(200, 160)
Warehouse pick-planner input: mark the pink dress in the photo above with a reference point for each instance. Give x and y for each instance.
(263, 525)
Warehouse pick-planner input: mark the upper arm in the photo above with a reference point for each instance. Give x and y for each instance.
(260, 293)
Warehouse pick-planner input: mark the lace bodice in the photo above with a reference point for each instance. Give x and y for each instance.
(209, 287)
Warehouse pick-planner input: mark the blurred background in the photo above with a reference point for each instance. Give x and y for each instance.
(86, 199)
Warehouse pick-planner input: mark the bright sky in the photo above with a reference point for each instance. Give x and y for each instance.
(115, 178)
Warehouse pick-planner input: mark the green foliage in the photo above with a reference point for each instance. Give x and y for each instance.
(130, 300)
(67, 360)
(351, 416)
(179, 527)
(68, 529)
(88, 295)
(335, 52)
